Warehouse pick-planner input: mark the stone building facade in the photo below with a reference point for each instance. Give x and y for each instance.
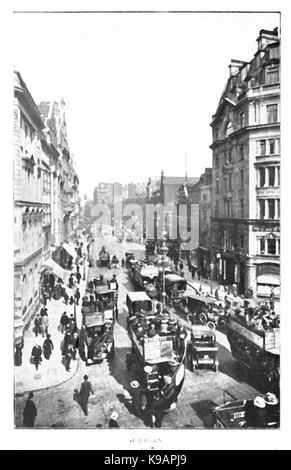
(65, 182)
(45, 191)
(246, 173)
(32, 208)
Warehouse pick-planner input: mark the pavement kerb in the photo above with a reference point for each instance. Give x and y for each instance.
(20, 394)
(56, 384)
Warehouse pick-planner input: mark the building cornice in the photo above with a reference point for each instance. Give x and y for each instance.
(20, 264)
(29, 105)
(243, 130)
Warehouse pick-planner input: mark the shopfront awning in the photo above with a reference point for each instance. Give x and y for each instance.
(69, 249)
(269, 279)
(55, 268)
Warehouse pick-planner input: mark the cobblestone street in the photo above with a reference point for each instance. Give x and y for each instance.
(202, 389)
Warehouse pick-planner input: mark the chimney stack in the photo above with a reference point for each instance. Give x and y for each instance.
(234, 66)
(267, 37)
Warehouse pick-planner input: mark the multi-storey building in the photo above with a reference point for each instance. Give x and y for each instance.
(64, 179)
(103, 193)
(246, 172)
(32, 204)
(45, 192)
(168, 193)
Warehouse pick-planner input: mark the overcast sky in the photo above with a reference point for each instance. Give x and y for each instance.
(140, 89)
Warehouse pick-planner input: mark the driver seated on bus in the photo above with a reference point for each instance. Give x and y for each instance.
(152, 331)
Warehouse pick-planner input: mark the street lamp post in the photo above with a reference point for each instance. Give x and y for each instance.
(163, 251)
(84, 262)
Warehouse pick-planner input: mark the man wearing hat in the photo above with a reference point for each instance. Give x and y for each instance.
(255, 413)
(29, 412)
(36, 354)
(85, 391)
(47, 346)
(113, 420)
(272, 410)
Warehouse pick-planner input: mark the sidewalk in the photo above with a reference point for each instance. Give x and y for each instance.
(51, 372)
(206, 284)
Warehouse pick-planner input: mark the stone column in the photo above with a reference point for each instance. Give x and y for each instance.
(266, 246)
(277, 247)
(266, 177)
(258, 245)
(276, 209)
(276, 182)
(266, 209)
(251, 277)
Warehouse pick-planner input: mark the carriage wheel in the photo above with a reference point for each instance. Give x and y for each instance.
(211, 325)
(202, 318)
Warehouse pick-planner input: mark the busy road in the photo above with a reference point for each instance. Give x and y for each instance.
(202, 390)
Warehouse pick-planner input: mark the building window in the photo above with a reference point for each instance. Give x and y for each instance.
(278, 175)
(241, 153)
(242, 119)
(217, 185)
(271, 176)
(278, 207)
(272, 76)
(229, 156)
(229, 129)
(262, 208)
(230, 182)
(278, 146)
(262, 147)
(271, 204)
(205, 197)
(262, 177)
(262, 246)
(272, 113)
(216, 208)
(271, 243)
(242, 178)
(216, 162)
(242, 208)
(241, 240)
(272, 146)
(228, 209)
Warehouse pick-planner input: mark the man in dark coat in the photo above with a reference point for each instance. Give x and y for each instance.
(113, 420)
(29, 412)
(181, 335)
(36, 354)
(37, 325)
(66, 298)
(78, 276)
(85, 391)
(77, 296)
(68, 356)
(71, 282)
(64, 322)
(18, 354)
(68, 339)
(47, 347)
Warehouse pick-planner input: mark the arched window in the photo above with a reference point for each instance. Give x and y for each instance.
(228, 129)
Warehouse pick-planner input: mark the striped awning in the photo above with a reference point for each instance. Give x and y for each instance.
(55, 268)
(69, 249)
(268, 279)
